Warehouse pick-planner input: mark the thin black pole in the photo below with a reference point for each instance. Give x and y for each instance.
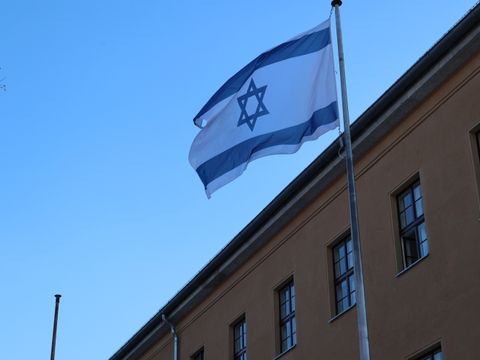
(355, 234)
(54, 336)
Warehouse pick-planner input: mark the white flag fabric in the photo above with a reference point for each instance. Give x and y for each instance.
(281, 99)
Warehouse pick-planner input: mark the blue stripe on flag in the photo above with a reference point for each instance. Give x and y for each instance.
(305, 45)
(241, 153)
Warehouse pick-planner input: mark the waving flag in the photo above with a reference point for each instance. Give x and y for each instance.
(281, 99)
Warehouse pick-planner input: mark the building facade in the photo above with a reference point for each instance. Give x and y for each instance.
(283, 287)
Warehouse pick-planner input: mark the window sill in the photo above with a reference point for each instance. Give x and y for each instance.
(341, 314)
(283, 353)
(411, 265)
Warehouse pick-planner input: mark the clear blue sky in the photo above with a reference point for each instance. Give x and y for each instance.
(97, 199)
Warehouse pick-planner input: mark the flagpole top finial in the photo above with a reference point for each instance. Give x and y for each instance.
(337, 2)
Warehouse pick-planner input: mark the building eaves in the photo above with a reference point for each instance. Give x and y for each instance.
(453, 50)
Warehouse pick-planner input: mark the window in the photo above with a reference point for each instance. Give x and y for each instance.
(432, 355)
(344, 275)
(288, 326)
(198, 355)
(413, 234)
(475, 143)
(478, 142)
(240, 340)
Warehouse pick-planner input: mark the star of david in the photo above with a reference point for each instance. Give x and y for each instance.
(261, 110)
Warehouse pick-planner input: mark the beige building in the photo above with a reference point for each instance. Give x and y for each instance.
(282, 288)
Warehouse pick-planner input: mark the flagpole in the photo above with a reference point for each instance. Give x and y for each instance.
(355, 234)
(54, 335)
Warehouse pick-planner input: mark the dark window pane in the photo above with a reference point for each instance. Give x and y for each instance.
(424, 248)
(409, 261)
(349, 246)
(353, 299)
(406, 200)
(338, 271)
(410, 245)
(409, 215)
(245, 334)
(339, 252)
(351, 282)
(283, 332)
(294, 332)
(336, 254)
(478, 142)
(422, 232)
(288, 330)
(350, 260)
(419, 208)
(283, 311)
(342, 264)
(342, 305)
(434, 355)
(417, 191)
(284, 296)
(198, 355)
(403, 220)
(342, 290)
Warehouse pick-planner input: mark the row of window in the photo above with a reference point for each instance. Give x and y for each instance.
(239, 343)
(414, 246)
(288, 328)
(413, 239)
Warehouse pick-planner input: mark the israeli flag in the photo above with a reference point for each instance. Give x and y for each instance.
(281, 99)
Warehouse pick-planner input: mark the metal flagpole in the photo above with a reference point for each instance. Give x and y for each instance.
(357, 254)
(54, 336)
